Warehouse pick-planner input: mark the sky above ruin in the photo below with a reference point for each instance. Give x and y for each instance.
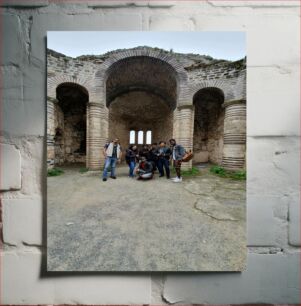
(219, 45)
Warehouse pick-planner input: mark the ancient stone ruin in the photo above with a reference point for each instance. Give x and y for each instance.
(144, 95)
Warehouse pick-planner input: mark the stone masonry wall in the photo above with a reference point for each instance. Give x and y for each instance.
(140, 111)
(273, 134)
(208, 146)
(208, 134)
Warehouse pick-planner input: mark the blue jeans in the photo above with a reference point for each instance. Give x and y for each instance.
(132, 166)
(110, 161)
(163, 162)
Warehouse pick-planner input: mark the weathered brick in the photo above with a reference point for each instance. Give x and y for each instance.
(13, 42)
(22, 284)
(122, 4)
(251, 3)
(170, 23)
(115, 4)
(273, 91)
(294, 220)
(160, 3)
(86, 22)
(277, 28)
(267, 279)
(273, 165)
(22, 221)
(261, 219)
(23, 100)
(24, 3)
(10, 167)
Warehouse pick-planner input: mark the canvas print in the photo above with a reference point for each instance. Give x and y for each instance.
(146, 151)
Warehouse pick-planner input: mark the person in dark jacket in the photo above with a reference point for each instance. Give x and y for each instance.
(178, 153)
(144, 152)
(163, 154)
(152, 156)
(145, 169)
(131, 157)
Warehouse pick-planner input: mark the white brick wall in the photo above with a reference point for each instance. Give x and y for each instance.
(10, 167)
(273, 96)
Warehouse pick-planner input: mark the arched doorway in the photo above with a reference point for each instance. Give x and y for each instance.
(208, 125)
(141, 95)
(70, 124)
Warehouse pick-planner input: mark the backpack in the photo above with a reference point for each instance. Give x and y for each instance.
(187, 157)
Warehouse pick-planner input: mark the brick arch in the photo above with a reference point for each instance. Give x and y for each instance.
(211, 88)
(99, 90)
(222, 85)
(61, 78)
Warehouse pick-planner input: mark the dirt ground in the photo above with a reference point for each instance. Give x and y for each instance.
(155, 225)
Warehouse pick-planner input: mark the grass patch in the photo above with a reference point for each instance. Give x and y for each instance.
(222, 172)
(83, 170)
(55, 172)
(189, 172)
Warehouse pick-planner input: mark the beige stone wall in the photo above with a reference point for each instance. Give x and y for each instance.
(208, 133)
(234, 155)
(58, 130)
(137, 111)
(74, 136)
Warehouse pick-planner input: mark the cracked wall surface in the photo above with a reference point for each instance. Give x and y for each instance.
(273, 160)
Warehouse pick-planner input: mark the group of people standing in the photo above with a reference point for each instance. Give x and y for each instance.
(159, 155)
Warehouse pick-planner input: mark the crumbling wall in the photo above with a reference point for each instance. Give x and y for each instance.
(59, 134)
(208, 133)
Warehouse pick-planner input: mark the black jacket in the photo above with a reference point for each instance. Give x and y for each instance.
(130, 155)
(164, 152)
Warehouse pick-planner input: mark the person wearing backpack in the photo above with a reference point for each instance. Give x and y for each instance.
(178, 153)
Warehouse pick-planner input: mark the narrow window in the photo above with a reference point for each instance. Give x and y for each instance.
(140, 137)
(132, 137)
(149, 137)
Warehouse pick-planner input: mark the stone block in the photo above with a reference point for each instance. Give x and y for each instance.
(10, 167)
(277, 28)
(12, 43)
(170, 23)
(261, 224)
(121, 22)
(163, 4)
(24, 3)
(294, 220)
(278, 25)
(201, 157)
(273, 165)
(122, 4)
(33, 166)
(116, 4)
(267, 279)
(243, 3)
(82, 22)
(22, 284)
(12, 84)
(22, 221)
(271, 92)
(23, 100)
